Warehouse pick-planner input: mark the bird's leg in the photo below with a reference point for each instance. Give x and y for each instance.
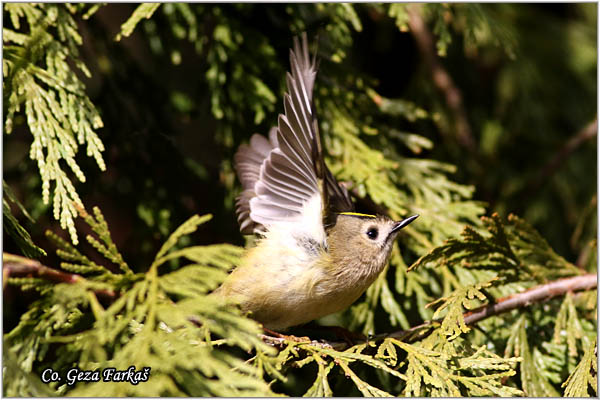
(351, 338)
(286, 337)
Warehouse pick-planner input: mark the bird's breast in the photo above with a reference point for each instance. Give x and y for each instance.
(289, 281)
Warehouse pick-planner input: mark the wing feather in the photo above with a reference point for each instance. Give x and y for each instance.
(281, 176)
(294, 154)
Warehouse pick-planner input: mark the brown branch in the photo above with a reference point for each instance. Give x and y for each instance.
(588, 132)
(17, 266)
(441, 79)
(537, 294)
(282, 340)
(22, 267)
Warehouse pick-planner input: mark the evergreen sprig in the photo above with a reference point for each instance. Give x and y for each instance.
(534, 383)
(76, 262)
(154, 320)
(584, 376)
(448, 371)
(453, 323)
(143, 11)
(476, 23)
(514, 252)
(14, 228)
(39, 81)
(430, 368)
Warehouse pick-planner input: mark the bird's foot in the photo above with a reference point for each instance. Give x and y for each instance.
(301, 339)
(337, 333)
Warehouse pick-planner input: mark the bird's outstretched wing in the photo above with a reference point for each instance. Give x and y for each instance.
(284, 175)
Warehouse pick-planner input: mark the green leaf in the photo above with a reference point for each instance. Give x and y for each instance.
(534, 384)
(320, 387)
(453, 323)
(366, 389)
(584, 376)
(142, 11)
(184, 229)
(40, 82)
(12, 226)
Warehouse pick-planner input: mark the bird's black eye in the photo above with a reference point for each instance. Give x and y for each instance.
(372, 233)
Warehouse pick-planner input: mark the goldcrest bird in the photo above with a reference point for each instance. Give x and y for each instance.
(314, 255)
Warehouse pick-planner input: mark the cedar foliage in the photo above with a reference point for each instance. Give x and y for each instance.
(149, 307)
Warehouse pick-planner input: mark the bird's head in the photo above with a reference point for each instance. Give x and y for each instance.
(366, 239)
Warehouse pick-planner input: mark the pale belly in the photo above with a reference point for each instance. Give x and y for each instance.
(290, 286)
(295, 305)
(295, 308)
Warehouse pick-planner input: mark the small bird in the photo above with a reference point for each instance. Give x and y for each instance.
(314, 255)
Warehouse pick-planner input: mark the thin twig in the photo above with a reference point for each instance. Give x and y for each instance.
(441, 79)
(17, 266)
(588, 132)
(282, 340)
(537, 294)
(534, 295)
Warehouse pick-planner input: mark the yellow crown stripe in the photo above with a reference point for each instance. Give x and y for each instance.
(359, 214)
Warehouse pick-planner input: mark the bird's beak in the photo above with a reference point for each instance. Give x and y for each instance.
(401, 224)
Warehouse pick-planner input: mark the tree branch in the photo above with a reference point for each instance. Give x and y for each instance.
(587, 133)
(537, 294)
(441, 79)
(17, 266)
(534, 295)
